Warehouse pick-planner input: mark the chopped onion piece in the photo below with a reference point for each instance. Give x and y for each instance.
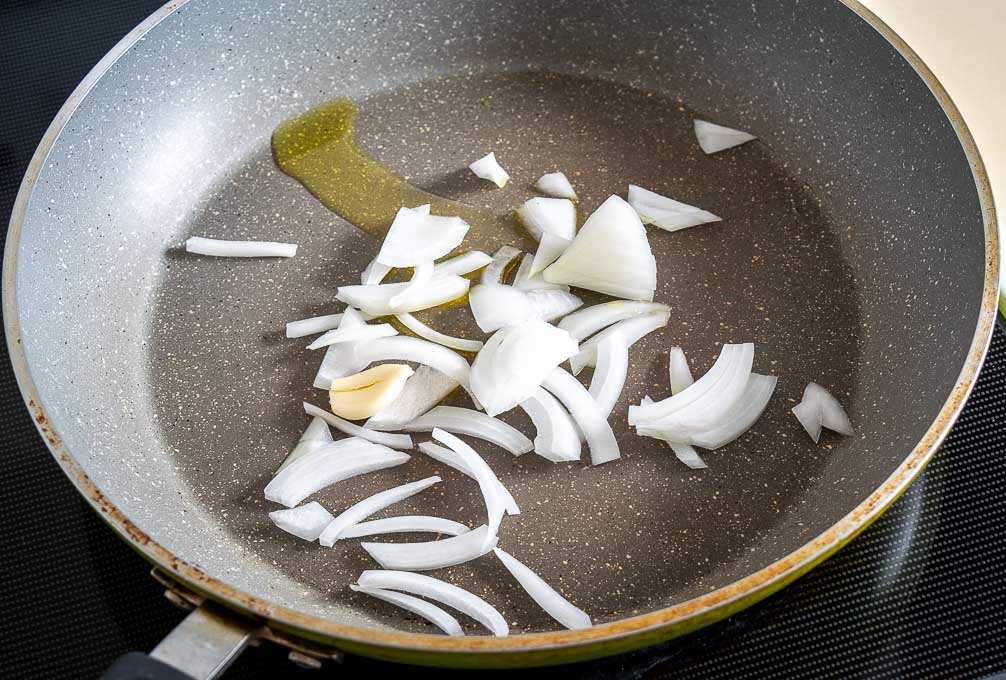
(600, 439)
(334, 364)
(366, 393)
(632, 331)
(810, 417)
(609, 377)
(421, 274)
(489, 483)
(427, 333)
(487, 168)
(368, 506)
(459, 265)
(404, 524)
(688, 455)
(304, 521)
(315, 436)
(713, 137)
(555, 184)
(403, 348)
(557, 438)
(515, 361)
(441, 591)
(415, 237)
(554, 604)
(556, 216)
(330, 464)
(474, 424)
(354, 333)
(666, 213)
(610, 254)
(681, 375)
(429, 555)
(549, 249)
(495, 305)
(316, 324)
(586, 322)
(501, 258)
(749, 408)
(819, 408)
(453, 460)
(394, 441)
(548, 305)
(523, 280)
(217, 248)
(431, 612)
(729, 354)
(376, 300)
(424, 390)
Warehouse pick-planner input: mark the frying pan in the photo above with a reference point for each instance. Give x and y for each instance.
(858, 249)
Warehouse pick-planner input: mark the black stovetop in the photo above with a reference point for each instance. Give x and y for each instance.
(920, 593)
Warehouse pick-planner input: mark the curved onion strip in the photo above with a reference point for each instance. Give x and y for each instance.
(338, 362)
(555, 216)
(749, 408)
(394, 441)
(501, 258)
(316, 324)
(555, 184)
(218, 248)
(462, 264)
(558, 439)
(368, 506)
(427, 333)
(431, 612)
(404, 524)
(631, 330)
(666, 213)
(404, 348)
(680, 374)
(354, 333)
(416, 237)
(374, 273)
(600, 439)
(810, 417)
(474, 424)
(688, 455)
(729, 354)
(449, 458)
(554, 604)
(425, 389)
(550, 304)
(441, 591)
(421, 274)
(305, 521)
(833, 415)
(315, 436)
(713, 137)
(488, 168)
(489, 483)
(523, 280)
(609, 377)
(376, 300)
(495, 305)
(330, 464)
(586, 322)
(429, 555)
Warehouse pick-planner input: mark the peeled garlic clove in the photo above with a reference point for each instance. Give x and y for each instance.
(487, 168)
(368, 392)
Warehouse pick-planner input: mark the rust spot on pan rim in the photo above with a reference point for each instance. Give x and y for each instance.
(654, 625)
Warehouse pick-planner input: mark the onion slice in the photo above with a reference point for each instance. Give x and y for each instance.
(555, 216)
(404, 524)
(474, 424)
(316, 324)
(354, 333)
(557, 438)
(610, 254)
(819, 408)
(495, 305)
(394, 441)
(609, 377)
(425, 389)
(555, 184)
(429, 555)
(217, 248)
(451, 459)
(459, 265)
(549, 249)
(666, 213)
(398, 348)
(368, 506)
(488, 168)
(421, 274)
(549, 305)
(554, 604)
(587, 321)
(488, 483)
(315, 436)
(330, 464)
(377, 300)
(713, 138)
(305, 521)
(415, 237)
(688, 455)
(680, 374)
(441, 591)
(501, 258)
(600, 439)
(749, 408)
(427, 333)
(810, 417)
(632, 331)
(431, 612)
(523, 280)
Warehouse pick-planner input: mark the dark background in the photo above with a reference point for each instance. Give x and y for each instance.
(920, 593)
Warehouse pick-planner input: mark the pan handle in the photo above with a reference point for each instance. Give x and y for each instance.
(201, 647)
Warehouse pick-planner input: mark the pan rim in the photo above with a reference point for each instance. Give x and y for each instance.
(634, 631)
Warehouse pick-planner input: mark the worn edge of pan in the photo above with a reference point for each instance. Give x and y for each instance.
(535, 648)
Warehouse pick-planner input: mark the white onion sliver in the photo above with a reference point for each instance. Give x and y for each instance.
(585, 322)
(427, 333)
(218, 248)
(555, 184)
(376, 300)
(474, 424)
(495, 305)
(600, 439)
(315, 436)
(609, 377)
(421, 274)
(554, 604)
(810, 417)
(451, 459)
(425, 389)
(404, 524)
(404, 348)
(556, 216)
(415, 237)
(431, 612)
(394, 441)
(549, 249)
(374, 273)
(729, 355)
(680, 374)
(429, 555)
(368, 506)
(523, 280)
(354, 333)
(833, 415)
(488, 168)
(688, 455)
(749, 408)
(337, 360)
(330, 464)
(426, 586)
(713, 137)
(632, 331)
(557, 438)
(462, 264)
(305, 521)
(501, 258)
(666, 213)
(316, 324)
(489, 483)
(549, 305)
